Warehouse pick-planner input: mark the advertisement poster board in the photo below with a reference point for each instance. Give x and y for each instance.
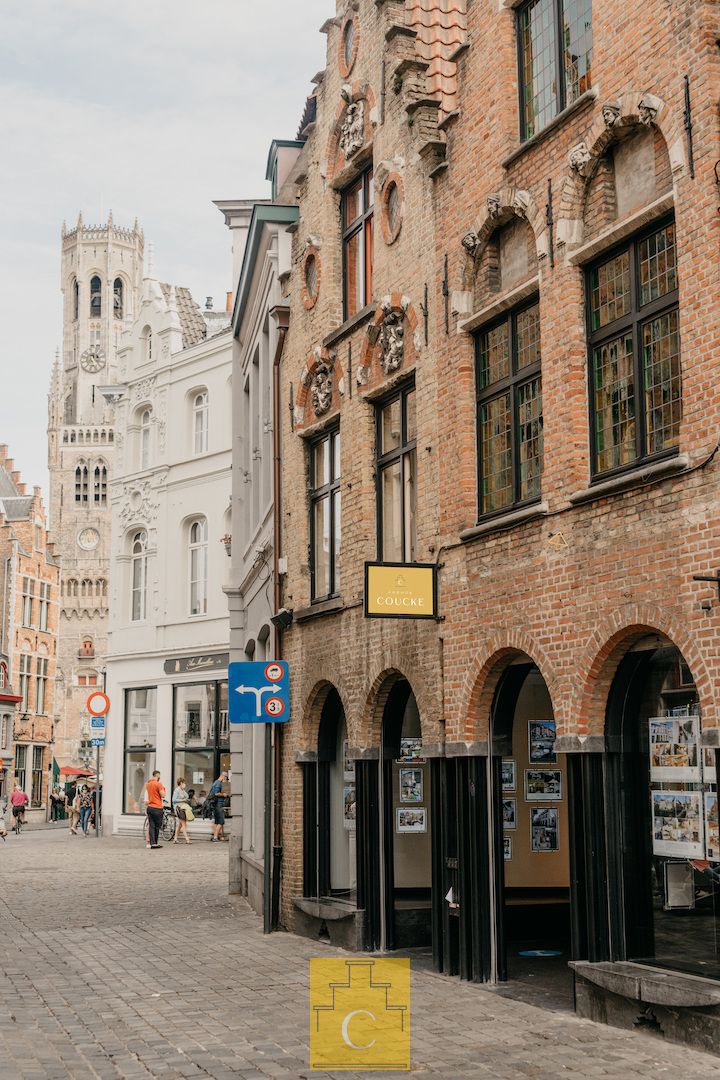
(674, 748)
(411, 821)
(509, 813)
(541, 785)
(677, 824)
(541, 742)
(544, 831)
(411, 785)
(509, 775)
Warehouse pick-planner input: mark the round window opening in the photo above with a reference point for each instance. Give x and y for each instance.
(311, 276)
(393, 208)
(349, 42)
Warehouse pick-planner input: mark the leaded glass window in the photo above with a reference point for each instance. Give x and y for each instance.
(555, 59)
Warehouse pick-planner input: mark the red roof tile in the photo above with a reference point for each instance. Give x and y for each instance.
(441, 26)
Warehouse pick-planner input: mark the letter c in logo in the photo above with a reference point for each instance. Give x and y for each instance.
(346, 1023)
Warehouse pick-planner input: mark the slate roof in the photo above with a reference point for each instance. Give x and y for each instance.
(441, 26)
(192, 324)
(16, 508)
(7, 485)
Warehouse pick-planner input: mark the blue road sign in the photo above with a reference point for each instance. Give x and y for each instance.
(259, 692)
(97, 742)
(97, 721)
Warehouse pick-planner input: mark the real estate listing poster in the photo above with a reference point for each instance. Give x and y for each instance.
(674, 749)
(677, 824)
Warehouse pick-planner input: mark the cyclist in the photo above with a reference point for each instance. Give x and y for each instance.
(18, 801)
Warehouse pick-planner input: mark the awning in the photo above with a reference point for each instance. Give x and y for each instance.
(70, 770)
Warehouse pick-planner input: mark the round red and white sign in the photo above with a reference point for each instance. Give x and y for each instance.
(274, 706)
(98, 703)
(273, 672)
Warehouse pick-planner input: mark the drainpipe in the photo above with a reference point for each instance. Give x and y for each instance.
(277, 596)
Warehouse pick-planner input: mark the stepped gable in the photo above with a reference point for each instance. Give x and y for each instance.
(192, 324)
(441, 26)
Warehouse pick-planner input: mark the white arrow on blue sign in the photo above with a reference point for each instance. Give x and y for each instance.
(259, 692)
(97, 742)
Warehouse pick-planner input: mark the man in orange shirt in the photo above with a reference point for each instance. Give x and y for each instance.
(155, 795)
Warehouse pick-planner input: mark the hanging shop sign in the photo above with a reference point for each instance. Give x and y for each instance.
(400, 590)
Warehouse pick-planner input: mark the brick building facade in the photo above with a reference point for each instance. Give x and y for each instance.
(29, 576)
(500, 361)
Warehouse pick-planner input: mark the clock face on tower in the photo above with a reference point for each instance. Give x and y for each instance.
(93, 359)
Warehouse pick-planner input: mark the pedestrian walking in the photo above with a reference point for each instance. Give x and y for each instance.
(155, 793)
(216, 798)
(56, 800)
(183, 811)
(3, 811)
(86, 805)
(73, 799)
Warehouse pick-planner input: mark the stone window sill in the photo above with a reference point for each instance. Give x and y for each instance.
(497, 307)
(585, 99)
(324, 607)
(619, 230)
(349, 325)
(645, 474)
(505, 521)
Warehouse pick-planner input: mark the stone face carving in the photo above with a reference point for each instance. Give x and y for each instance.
(610, 113)
(470, 241)
(321, 390)
(352, 129)
(493, 205)
(648, 108)
(579, 158)
(520, 203)
(392, 337)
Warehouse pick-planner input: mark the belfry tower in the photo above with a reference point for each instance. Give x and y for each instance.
(100, 278)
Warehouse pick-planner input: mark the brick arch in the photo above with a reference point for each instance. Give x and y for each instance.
(314, 694)
(370, 373)
(628, 109)
(335, 164)
(482, 678)
(601, 657)
(317, 359)
(501, 207)
(377, 690)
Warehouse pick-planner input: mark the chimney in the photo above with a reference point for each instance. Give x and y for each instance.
(228, 302)
(21, 487)
(208, 303)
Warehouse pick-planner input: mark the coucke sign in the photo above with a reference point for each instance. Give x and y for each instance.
(400, 590)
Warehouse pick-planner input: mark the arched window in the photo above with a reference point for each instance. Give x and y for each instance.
(118, 298)
(81, 483)
(100, 488)
(200, 422)
(95, 297)
(86, 587)
(145, 420)
(101, 587)
(138, 604)
(198, 567)
(3, 675)
(147, 345)
(75, 292)
(87, 648)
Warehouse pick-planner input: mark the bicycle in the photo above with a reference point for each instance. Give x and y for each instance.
(167, 829)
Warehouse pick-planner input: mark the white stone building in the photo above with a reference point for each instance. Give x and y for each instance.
(170, 504)
(100, 277)
(260, 319)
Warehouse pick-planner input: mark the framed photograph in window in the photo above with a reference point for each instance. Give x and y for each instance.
(411, 785)
(509, 813)
(349, 807)
(544, 832)
(541, 785)
(507, 848)
(509, 774)
(677, 824)
(541, 742)
(348, 764)
(674, 748)
(411, 820)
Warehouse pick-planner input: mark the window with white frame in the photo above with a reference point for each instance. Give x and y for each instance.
(42, 674)
(200, 422)
(28, 592)
(21, 766)
(44, 605)
(198, 566)
(25, 682)
(145, 422)
(38, 770)
(138, 560)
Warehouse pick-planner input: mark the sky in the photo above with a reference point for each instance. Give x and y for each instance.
(151, 108)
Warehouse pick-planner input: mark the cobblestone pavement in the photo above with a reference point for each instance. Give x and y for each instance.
(122, 962)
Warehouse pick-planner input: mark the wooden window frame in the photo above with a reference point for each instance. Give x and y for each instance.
(331, 492)
(384, 461)
(509, 384)
(362, 225)
(633, 322)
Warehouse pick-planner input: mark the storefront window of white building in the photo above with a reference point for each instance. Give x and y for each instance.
(200, 422)
(140, 740)
(202, 747)
(198, 566)
(139, 576)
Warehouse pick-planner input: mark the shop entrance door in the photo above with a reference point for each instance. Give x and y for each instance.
(405, 804)
(531, 842)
